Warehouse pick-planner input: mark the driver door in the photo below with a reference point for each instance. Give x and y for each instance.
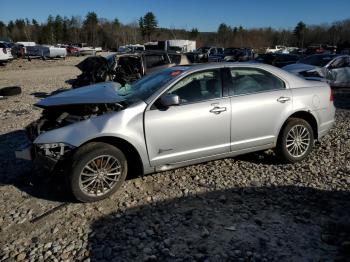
(198, 127)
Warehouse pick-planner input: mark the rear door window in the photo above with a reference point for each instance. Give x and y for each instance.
(253, 80)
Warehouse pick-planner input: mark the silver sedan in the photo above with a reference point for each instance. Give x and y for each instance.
(176, 117)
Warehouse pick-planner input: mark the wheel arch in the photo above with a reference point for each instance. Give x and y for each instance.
(130, 151)
(305, 115)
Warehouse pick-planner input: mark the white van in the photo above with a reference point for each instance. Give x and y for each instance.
(5, 53)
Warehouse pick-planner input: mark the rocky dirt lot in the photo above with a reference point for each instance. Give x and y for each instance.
(248, 208)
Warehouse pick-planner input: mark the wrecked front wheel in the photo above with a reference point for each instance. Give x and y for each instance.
(98, 170)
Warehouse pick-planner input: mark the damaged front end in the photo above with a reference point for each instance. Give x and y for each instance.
(47, 156)
(61, 110)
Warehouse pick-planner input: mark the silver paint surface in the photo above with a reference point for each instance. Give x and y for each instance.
(191, 133)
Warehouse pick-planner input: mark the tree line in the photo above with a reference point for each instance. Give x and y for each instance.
(110, 34)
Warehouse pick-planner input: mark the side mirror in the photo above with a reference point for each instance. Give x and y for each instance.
(169, 100)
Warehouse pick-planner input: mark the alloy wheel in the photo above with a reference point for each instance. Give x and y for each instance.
(100, 175)
(298, 141)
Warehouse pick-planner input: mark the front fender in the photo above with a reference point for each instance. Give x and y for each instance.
(126, 124)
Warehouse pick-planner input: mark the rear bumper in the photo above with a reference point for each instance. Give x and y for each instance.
(325, 128)
(326, 120)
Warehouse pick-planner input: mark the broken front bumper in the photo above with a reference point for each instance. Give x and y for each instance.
(41, 162)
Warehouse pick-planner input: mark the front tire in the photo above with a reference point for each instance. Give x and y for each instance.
(295, 141)
(98, 171)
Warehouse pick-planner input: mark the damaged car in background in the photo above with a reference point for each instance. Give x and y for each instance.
(332, 68)
(179, 116)
(232, 54)
(124, 68)
(201, 55)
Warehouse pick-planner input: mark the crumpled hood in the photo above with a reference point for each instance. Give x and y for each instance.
(101, 93)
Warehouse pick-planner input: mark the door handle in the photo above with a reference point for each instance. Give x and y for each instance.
(283, 99)
(217, 110)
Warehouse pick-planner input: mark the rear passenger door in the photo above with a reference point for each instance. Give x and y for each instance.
(260, 102)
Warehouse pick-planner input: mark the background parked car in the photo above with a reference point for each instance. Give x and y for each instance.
(232, 54)
(17, 50)
(219, 57)
(320, 49)
(277, 48)
(124, 68)
(277, 59)
(45, 52)
(239, 55)
(333, 68)
(202, 54)
(72, 50)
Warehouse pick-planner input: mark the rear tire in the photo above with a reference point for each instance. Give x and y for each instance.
(98, 171)
(295, 141)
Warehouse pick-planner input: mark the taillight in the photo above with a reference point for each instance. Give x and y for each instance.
(331, 98)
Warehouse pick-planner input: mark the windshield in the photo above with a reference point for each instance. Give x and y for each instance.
(148, 85)
(317, 60)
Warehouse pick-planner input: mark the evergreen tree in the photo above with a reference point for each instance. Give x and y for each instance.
(58, 29)
(91, 27)
(148, 25)
(299, 32)
(194, 33)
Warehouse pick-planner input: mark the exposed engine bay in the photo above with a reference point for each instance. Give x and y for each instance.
(53, 117)
(60, 116)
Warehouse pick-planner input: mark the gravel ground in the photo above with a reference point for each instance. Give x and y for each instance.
(248, 208)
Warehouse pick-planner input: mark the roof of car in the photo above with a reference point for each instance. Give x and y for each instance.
(195, 67)
(291, 78)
